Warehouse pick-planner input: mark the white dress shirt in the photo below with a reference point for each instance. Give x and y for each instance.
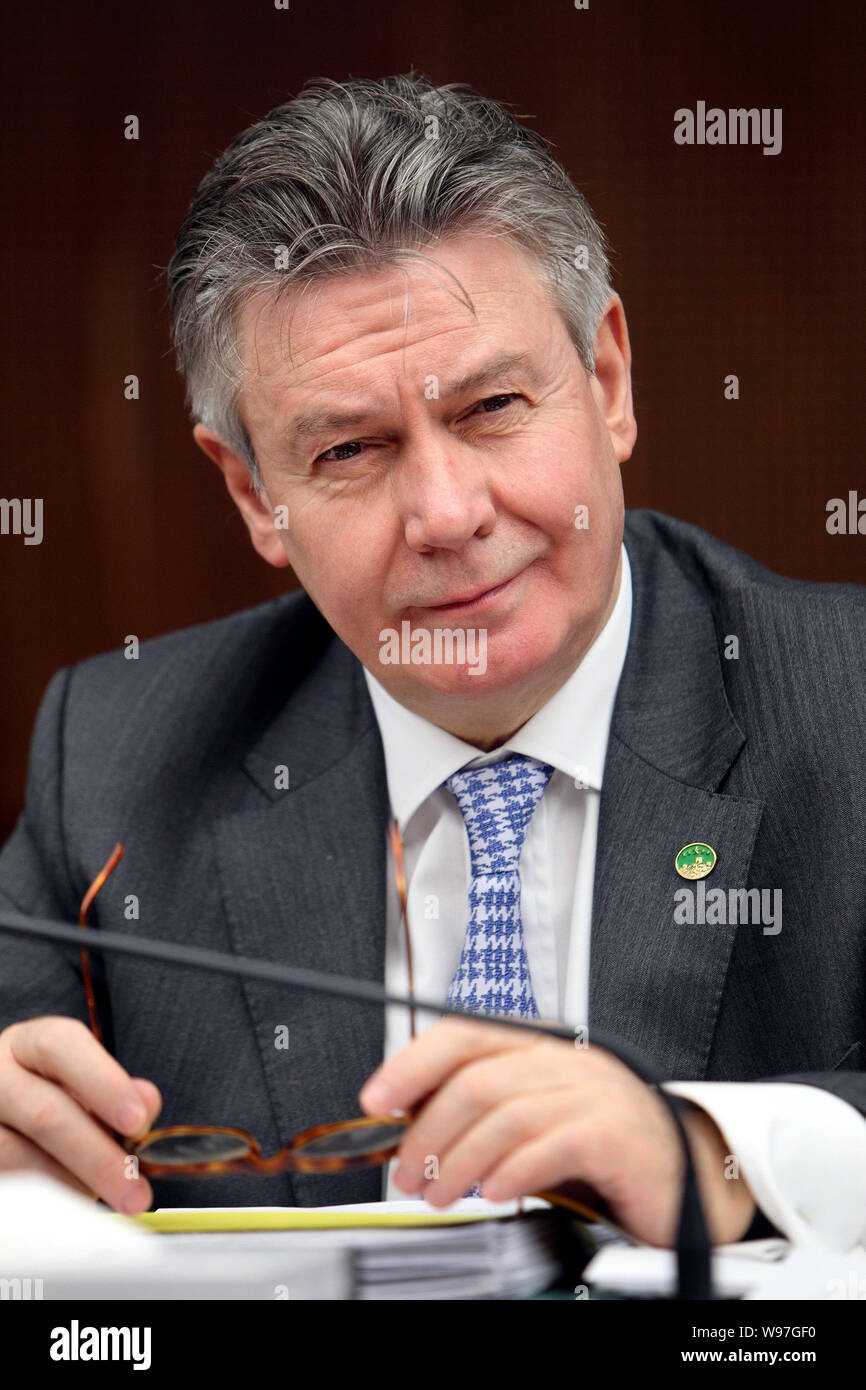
(801, 1149)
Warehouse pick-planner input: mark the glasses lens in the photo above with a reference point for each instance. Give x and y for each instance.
(350, 1142)
(214, 1146)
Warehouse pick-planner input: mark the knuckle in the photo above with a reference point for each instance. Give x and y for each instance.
(470, 1087)
(64, 1028)
(69, 1032)
(600, 1141)
(571, 1142)
(41, 1117)
(550, 1050)
(517, 1118)
(14, 1033)
(469, 1030)
(51, 1037)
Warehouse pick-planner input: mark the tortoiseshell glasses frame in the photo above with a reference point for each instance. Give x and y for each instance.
(168, 1151)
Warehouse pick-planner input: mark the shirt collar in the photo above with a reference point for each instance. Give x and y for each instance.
(570, 731)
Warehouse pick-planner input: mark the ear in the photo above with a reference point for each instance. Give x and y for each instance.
(253, 507)
(611, 381)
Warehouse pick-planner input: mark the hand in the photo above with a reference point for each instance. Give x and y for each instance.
(59, 1091)
(522, 1113)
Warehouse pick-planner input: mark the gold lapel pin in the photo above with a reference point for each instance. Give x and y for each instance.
(695, 860)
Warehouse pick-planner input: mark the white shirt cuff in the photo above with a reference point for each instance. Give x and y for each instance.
(801, 1150)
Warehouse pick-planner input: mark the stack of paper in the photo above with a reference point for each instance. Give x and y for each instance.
(55, 1243)
(398, 1250)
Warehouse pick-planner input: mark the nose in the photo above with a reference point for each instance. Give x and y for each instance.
(442, 494)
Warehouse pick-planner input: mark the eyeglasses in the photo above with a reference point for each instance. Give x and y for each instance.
(215, 1150)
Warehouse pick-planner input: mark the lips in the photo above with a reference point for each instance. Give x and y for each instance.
(473, 596)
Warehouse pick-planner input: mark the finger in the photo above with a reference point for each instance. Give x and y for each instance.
(416, 1070)
(478, 1087)
(44, 1113)
(64, 1050)
(151, 1098)
(569, 1151)
(148, 1093)
(18, 1154)
(584, 1157)
(487, 1144)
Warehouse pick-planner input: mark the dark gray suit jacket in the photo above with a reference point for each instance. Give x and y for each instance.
(763, 757)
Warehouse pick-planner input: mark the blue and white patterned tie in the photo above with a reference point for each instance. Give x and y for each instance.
(497, 802)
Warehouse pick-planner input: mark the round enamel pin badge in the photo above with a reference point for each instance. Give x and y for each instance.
(695, 861)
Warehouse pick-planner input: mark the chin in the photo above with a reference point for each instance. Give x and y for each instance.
(511, 663)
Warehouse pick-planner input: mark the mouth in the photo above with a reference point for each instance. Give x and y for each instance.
(475, 599)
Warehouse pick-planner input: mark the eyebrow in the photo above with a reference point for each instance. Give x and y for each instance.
(315, 422)
(323, 421)
(500, 366)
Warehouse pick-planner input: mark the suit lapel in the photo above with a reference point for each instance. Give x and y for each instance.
(673, 739)
(652, 982)
(302, 873)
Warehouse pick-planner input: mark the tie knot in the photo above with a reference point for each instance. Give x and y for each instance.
(497, 803)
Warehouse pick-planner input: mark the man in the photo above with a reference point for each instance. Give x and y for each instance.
(403, 353)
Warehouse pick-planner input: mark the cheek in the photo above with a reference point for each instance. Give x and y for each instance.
(340, 555)
(570, 491)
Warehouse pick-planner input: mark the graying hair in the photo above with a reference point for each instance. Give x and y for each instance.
(355, 176)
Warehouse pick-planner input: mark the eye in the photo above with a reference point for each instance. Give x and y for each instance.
(335, 454)
(492, 405)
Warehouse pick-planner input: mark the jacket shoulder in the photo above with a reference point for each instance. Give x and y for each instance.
(723, 572)
(791, 653)
(230, 672)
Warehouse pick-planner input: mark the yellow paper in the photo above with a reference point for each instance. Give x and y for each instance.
(298, 1219)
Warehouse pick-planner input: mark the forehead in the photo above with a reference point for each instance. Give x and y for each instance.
(477, 294)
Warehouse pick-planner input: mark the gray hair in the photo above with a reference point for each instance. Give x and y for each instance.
(356, 176)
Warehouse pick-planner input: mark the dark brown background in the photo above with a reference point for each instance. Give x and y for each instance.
(728, 261)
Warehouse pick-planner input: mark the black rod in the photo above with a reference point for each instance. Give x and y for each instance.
(693, 1245)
